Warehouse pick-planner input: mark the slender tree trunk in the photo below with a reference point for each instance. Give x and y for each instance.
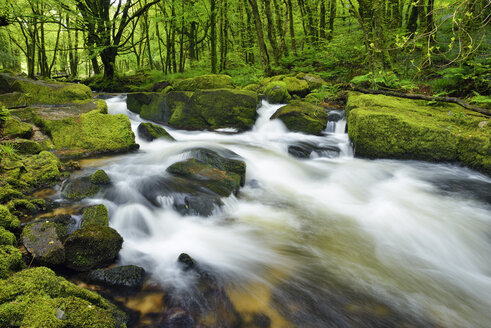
(332, 15)
(213, 36)
(292, 26)
(260, 38)
(271, 31)
(322, 20)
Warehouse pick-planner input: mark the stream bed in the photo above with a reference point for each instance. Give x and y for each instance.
(315, 238)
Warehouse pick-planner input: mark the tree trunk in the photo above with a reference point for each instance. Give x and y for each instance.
(271, 31)
(213, 37)
(322, 20)
(108, 57)
(292, 27)
(332, 15)
(260, 38)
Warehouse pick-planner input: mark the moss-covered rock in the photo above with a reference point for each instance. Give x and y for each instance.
(126, 276)
(389, 127)
(276, 92)
(6, 237)
(13, 100)
(41, 170)
(10, 261)
(93, 246)
(14, 128)
(7, 193)
(92, 132)
(220, 182)
(296, 87)
(100, 178)
(95, 215)
(314, 81)
(150, 132)
(80, 188)
(29, 147)
(303, 117)
(8, 220)
(254, 87)
(21, 207)
(38, 298)
(40, 92)
(204, 82)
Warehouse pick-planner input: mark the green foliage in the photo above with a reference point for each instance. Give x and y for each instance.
(388, 80)
(7, 149)
(4, 114)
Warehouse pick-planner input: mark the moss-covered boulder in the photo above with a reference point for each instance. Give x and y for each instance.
(80, 188)
(254, 87)
(93, 133)
(6, 237)
(8, 220)
(95, 215)
(14, 128)
(303, 117)
(204, 82)
(7, 192)
(126, 276)
(100, 178)
(13, 100)
(93, 246)
(296, 87)
(38, 298)
(314, 81)
(10, 261)
(276, 92)
(41, 92)
(388, 127)
(22, 207)
(150, 132)
(44, 239)
(220, 182)
(28, 147)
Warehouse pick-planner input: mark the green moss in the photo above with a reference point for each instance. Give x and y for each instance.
(39, 92)
(21, 207)
(41, 170)
(93, 246)
(149, 132)
(210, 81)
(13, 128)
(389, 127)
(101, 106)
(100, 178)
(43, 242)
(13, 100)
(314, 81)
(80, 188)
(32, 297)
(7, 193)
(10, 261)
(277, 93)
(254, 87)
(8, 220)
(24, 146)
(85, 133)
(303, 117)
(6, 237)
(95, 215)
(296, 86)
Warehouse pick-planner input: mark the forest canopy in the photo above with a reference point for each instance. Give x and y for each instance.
(394, 44)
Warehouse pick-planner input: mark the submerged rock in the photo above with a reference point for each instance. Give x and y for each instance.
(126, 276)
(305, 149)
(100, 178)
(303, 117)
(389, 127)
(93, 246)
(176, 318)
(80, 188)
(150, 132)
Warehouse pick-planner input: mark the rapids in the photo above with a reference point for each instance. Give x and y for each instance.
(324, 241)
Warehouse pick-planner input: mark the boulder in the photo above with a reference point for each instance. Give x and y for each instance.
(7, 193)
(95, 215)
(204, 82)
(80, 188)
(276, 92)
(126, 276)
(92, 133)
(389, 127)
(8, 220)
(13, 100)
(7, 238)
(305, 149)
(176, 318)
(44, 239)
(150, 132)
(10, 261)
(296, 87)
(90, 247)
(314, 81)
(303, 117)
(38, 298)
(100, 178)
(14, 128)
(27, 147)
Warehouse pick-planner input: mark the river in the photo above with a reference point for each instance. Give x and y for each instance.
(325, 241)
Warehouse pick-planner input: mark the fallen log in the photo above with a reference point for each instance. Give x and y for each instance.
(422, 97)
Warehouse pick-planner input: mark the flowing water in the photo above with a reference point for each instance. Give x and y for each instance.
(324, 241)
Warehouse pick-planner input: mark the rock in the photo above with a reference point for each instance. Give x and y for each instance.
(203, 109)
(10, 261)
(127, 276)
(93, 246)
(6, 237)
(389, 127)
(80, 188)
(303, 117)
(314, 81)
(261, 320)
(100, 178)
(92, 133)
(13, 100)
(220, 182)
(204, 82)
(40, 92)
(21, 207)
(43, 239)
(277, 93)
(7, 193)
(177, 318)
(296, 87)
(38, 298)
(14, 128)
(305, 149)
(160, 86)
(28, 147)
(95, 215)
(7, 220)
(254, 87)
(334, 116)
(186, 262)
(150, 132)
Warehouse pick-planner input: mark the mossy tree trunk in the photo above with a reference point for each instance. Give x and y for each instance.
(271, 31)
(213, 36)
(260, 38)
(332, 15)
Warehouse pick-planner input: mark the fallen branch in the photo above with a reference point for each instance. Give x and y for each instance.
(422, 97)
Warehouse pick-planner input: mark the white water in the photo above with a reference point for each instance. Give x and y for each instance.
(411, 234)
